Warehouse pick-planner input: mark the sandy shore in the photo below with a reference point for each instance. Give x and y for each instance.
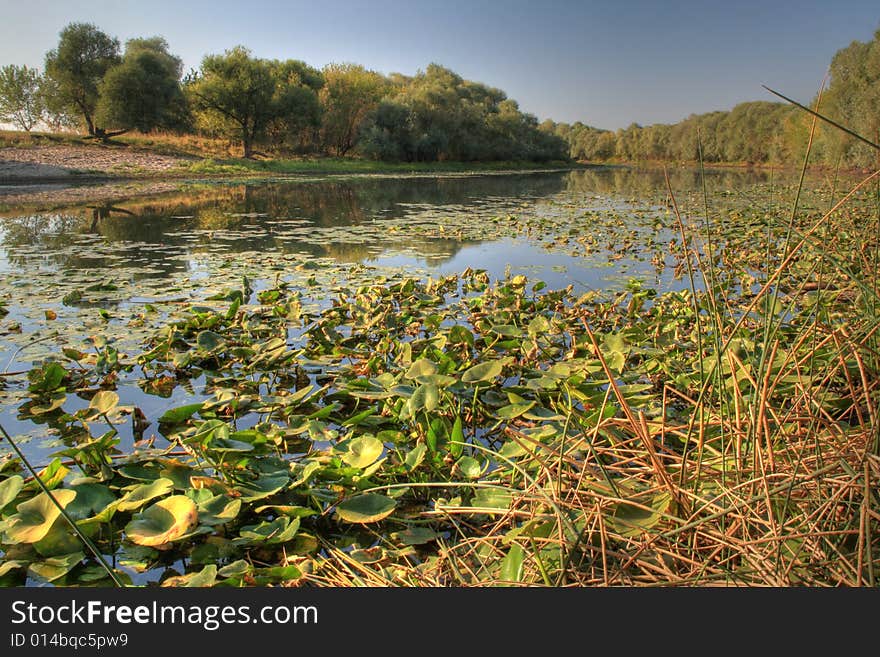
(62, 162)
(46, 176)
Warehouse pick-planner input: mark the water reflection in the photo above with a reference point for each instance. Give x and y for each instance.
(282, 217)
(348, 219)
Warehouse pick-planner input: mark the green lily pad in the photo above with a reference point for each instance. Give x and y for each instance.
(416, 535)
(506, 330)
(163, 522)
(460, 334)
(180, 414)
(179, 473)
(426, 397)
(36, 516)
(421, 367)
(51, 476)
(201, 579)
(209, 341)
(512, 564)
(139, 558)
(512, 411)
(218, 510)
(415, 456)
(363, 450)
(263, 486)
(90, 499)
(631, 521)
(364, 509)
(55, 402)
(225, 445)
(280, 530)
(237, 568)
(9, 489)
(469, 467)
(482, 372)
(59, 541)
(55, 567)
(140, 495)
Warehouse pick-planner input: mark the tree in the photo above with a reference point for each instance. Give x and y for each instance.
(20, 100)
(296, 109)
(76, 68)
(853, 99)
(143, 92)
(389, 134)
(56, 114)
(349, 94)
(244, 96)
(438, 115)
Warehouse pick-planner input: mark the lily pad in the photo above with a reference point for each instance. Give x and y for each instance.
(163, 522)
(56, 567)
(631, 521)
(36, 516)
(203, 578)
(9, 488)
(363, 450)
(482, 372)
(277, 531)
(104, 401)
(492, 498)
(366, 508)
(263, 486)
(180, 414)
(142, 494)
(416, 535)
(421, 367)
(90, 499)
(469, 467)
(209, 341)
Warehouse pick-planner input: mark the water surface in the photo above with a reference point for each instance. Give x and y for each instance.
(114, 270)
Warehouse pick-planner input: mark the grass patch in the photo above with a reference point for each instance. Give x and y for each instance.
(357, 166)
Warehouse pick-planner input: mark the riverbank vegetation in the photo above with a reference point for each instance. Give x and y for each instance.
(269, 106)
(250, 106)
(754, 132)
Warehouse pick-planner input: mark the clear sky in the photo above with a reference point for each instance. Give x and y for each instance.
(607, 63)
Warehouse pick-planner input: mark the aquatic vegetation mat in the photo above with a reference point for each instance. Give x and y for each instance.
(468, 430)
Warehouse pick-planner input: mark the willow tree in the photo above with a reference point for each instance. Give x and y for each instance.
(853, 99)
(21, 102)
(143, 91)
(244, 96)
(350, 93)
(75, 69)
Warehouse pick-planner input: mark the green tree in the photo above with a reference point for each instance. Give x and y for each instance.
(389, 133)
(853, 99)
(244, 96)
(438, 115)
(143, 92)
(76, 68)
(21, 102)
(349, 94)
(296, 110)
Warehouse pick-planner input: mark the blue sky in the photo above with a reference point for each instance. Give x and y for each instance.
(608, 63)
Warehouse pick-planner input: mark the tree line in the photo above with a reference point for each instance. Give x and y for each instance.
(91, 83)
(755, 132)
(286, 106)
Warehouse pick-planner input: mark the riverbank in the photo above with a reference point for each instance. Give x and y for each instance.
(45, 158)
